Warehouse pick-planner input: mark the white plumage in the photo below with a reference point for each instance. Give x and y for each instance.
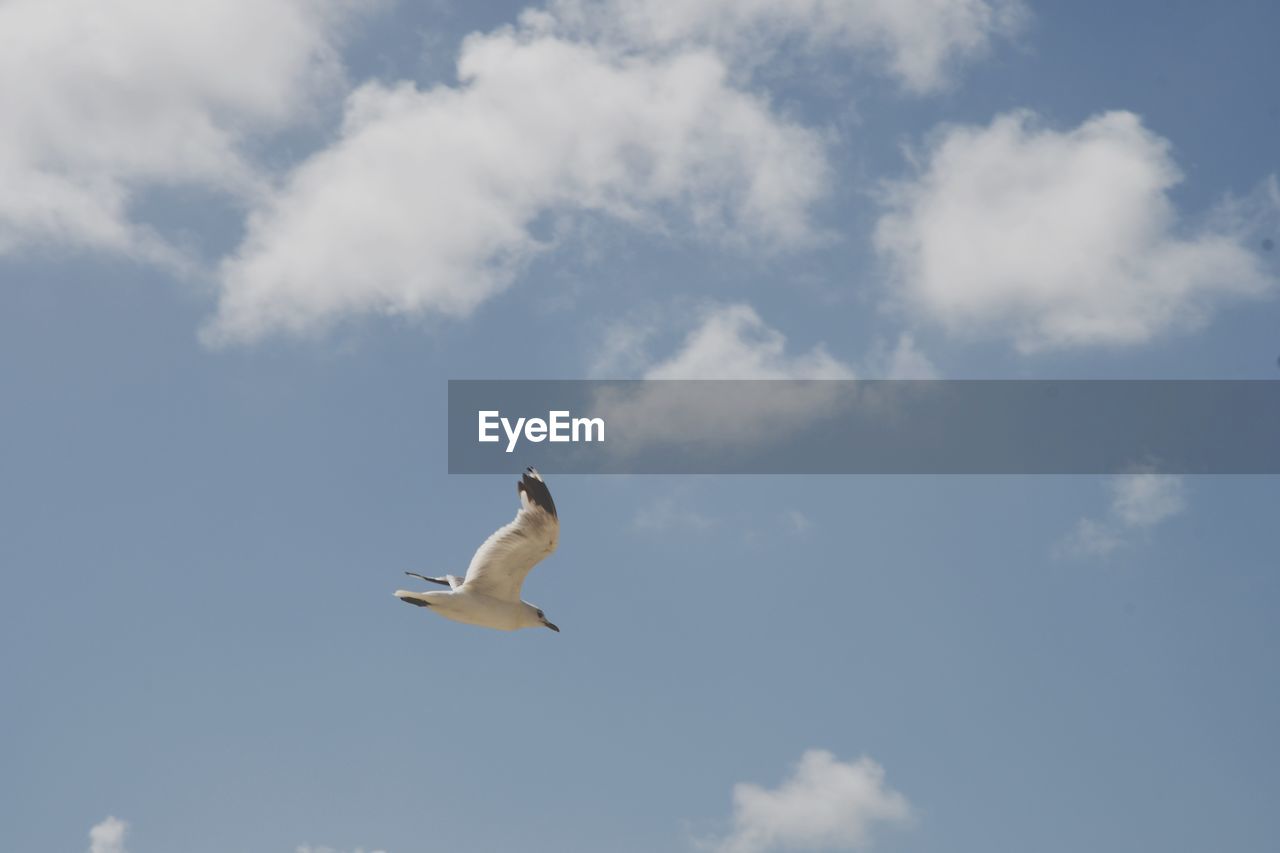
(489, 595)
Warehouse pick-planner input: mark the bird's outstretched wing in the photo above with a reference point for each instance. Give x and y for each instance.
(501, 564)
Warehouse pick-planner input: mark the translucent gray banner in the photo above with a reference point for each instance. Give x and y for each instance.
(865, 427)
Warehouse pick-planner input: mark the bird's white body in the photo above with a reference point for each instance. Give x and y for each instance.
(476, 608)
(489, 596)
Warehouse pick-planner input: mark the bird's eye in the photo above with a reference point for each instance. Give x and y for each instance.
(541, 615)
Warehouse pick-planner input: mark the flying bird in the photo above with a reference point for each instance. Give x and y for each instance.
(489, 596)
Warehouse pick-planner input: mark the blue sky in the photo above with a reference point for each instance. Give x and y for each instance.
(244, 246)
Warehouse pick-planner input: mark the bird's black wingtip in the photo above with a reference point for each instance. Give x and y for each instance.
(531, 484)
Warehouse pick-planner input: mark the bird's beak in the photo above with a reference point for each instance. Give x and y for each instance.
(549, 625)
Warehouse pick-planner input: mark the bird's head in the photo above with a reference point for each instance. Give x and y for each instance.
(537, 617)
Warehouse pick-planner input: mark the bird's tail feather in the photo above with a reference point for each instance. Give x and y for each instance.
(444, 581)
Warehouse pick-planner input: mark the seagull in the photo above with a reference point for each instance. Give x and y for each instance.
(490, 594)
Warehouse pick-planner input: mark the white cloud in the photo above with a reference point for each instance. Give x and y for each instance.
(1058, 238)
(1138, 502)
(104, 100)
(729, 342)
(917, 41)
(825, 805)
(427, 201)
(108, 836)
(904, 360)
(1143, 500)
(732, 342)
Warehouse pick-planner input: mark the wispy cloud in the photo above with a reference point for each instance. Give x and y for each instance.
(728, 342)
(108, 836)
(1138, 502)
(797, 522)
(826, 804)
(918, 42)
(622, 349)
(903, 360)
(668, 514)
(1058, 238)
(733, 342)
(1144, 500)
